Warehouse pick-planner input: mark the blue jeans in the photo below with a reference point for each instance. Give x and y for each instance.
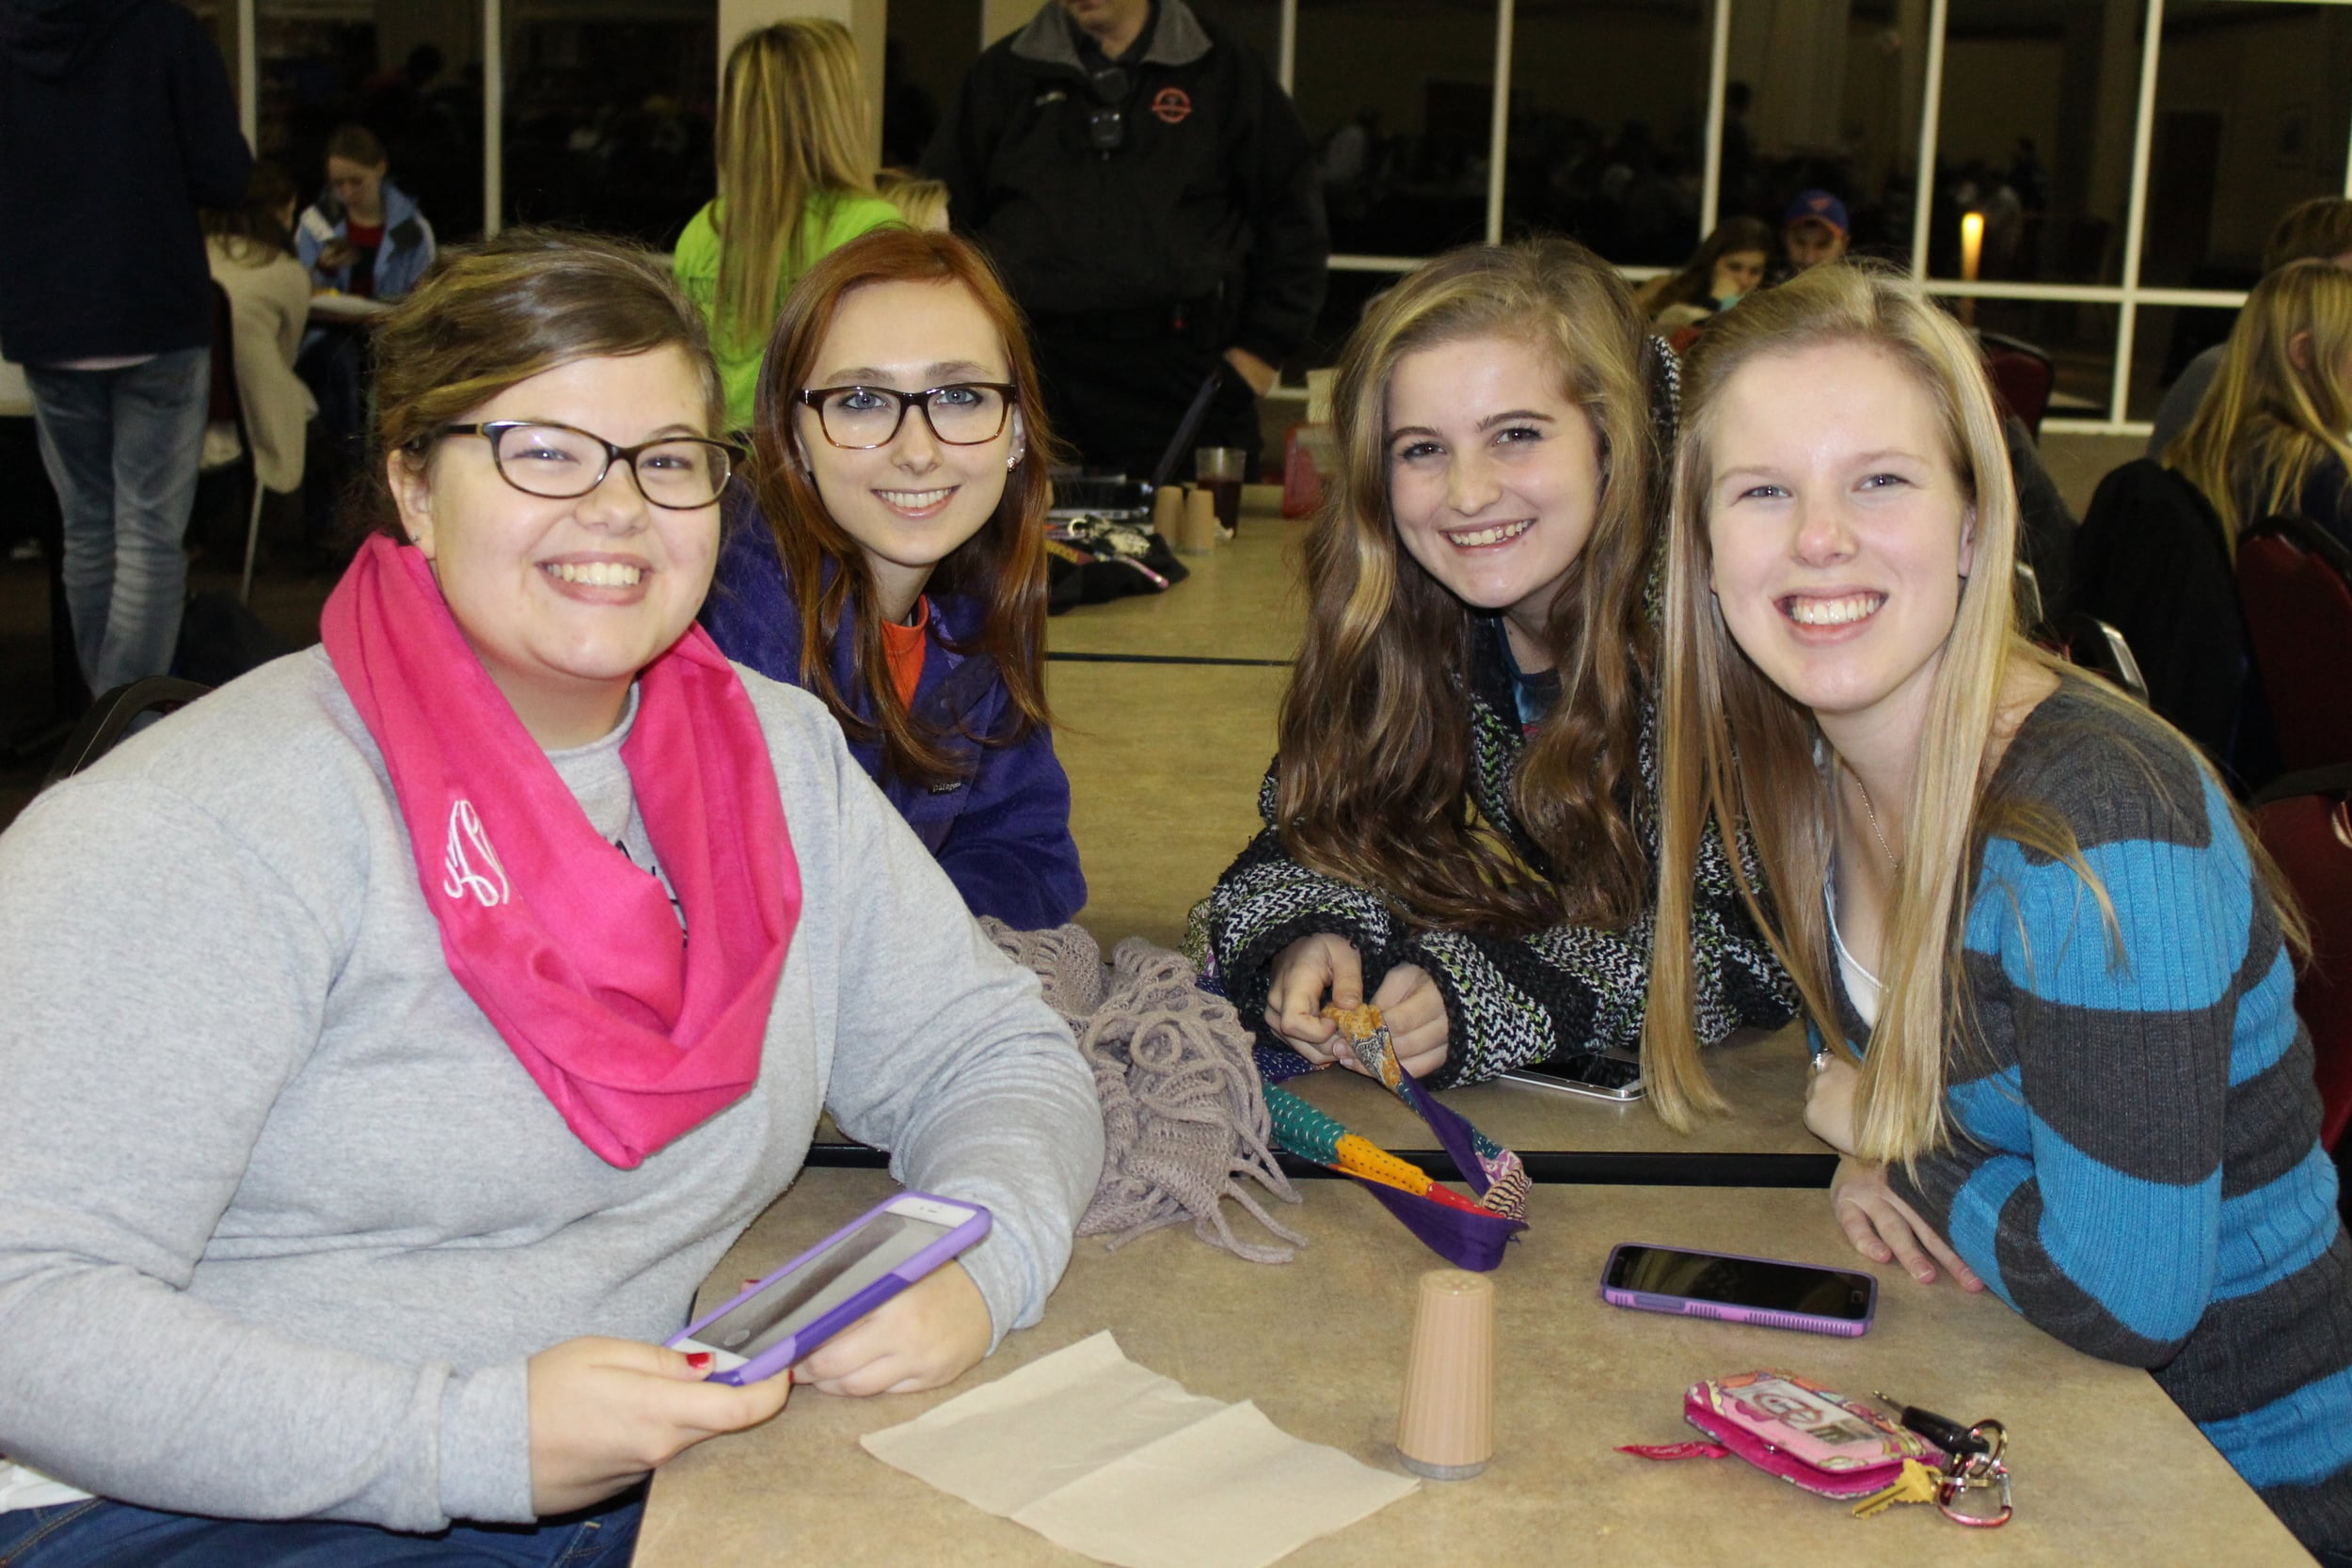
(122, 448)
(100, 1534)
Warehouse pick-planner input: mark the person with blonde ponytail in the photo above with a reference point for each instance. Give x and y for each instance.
(2271, 435)
(2045, 968)
(795, 182)
(1458, 821)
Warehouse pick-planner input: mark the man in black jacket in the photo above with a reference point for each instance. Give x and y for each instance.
(116, 124)
(1148, 190)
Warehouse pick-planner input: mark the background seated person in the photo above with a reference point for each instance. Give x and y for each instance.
(2270, 437)
(894, 561)
(1729, 264)
(397, 1036)
(364, 236)
(251, 247)
(1815, 230)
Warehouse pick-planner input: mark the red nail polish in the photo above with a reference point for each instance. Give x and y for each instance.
(699, 1360)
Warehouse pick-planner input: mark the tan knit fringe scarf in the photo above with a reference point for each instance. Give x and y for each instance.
(1182, 1113)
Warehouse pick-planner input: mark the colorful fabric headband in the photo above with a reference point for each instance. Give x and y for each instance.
(1469, 1235)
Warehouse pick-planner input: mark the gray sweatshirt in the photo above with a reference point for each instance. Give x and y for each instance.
(283, 1218)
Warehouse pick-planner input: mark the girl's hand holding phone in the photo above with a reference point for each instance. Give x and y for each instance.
(929, 1334)
(605, 1412)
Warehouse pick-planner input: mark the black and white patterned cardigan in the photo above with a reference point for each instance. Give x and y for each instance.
(1509, 1000)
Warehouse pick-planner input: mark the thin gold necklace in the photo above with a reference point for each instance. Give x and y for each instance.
(1876, 831)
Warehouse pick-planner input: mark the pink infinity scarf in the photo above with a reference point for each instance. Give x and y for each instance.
(634, 1034)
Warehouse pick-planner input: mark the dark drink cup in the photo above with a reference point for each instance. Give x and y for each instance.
(1220, 470)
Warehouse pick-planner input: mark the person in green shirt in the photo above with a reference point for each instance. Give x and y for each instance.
(795, 182)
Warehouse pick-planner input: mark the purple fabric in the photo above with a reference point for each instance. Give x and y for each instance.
(1467, 1241)
(1003, 835)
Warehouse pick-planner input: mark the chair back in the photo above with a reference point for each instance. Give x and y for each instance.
(2090, 644)
(2295, 583)
(2305, 821)
(2151, 560)
(222, 404)
(2023, 377)
(110, 718)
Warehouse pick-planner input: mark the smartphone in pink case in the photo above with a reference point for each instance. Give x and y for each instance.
(1765, 1291)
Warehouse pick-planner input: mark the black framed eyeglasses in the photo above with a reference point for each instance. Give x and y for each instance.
(557, 462)
(962, 414)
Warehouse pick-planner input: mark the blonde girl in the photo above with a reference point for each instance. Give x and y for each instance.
(795, 182)
(2085, 1086)
(2270, 435)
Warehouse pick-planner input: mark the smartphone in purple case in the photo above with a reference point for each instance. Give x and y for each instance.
(781, 1319)
(1766, 1291)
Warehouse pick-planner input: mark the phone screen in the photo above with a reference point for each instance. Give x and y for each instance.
(1742, 1282)
(827, 1280)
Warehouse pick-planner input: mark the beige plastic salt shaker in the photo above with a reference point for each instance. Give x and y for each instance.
(1200, 534)
(1446, 1427)
(1168, 514)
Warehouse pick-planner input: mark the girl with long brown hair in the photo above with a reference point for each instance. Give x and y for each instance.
(2085, 1086)
(795, 180)
(1458, 821)
(891, 556)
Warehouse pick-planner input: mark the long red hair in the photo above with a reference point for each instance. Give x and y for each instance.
(1002, 567)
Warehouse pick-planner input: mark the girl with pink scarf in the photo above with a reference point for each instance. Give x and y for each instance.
(407, 1028)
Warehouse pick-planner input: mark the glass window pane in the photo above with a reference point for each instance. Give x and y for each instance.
(609, 112)
(411, 71)
(2035, 135)
(1826, 95)
(1398, 95)
(1608, 121)
(2253, 107)
(2166, 339)
(930, 48)
(2078, 339)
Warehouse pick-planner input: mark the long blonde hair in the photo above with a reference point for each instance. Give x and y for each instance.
(792, 119)
(1371, 783)
(2266, 423)
(1735, 748)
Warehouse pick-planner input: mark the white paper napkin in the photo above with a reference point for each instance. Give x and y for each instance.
(1113, 1460)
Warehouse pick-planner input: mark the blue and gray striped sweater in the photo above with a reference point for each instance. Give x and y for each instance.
(2137, 1167)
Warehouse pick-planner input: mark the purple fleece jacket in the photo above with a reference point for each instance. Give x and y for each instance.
(1001, 833)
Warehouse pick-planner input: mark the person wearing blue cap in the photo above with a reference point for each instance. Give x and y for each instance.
(1814, 229)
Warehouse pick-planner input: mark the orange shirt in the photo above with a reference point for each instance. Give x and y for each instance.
(905, 647)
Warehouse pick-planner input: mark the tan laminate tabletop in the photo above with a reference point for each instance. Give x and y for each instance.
(2108, 1470)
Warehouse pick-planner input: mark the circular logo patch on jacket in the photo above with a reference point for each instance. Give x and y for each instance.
(1172, 104)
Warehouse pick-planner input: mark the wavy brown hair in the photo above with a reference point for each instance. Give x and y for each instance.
(1372, 783)
(1695, 283)
(1002, 566)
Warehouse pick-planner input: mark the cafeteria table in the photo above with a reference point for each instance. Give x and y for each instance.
(2108, 1471)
